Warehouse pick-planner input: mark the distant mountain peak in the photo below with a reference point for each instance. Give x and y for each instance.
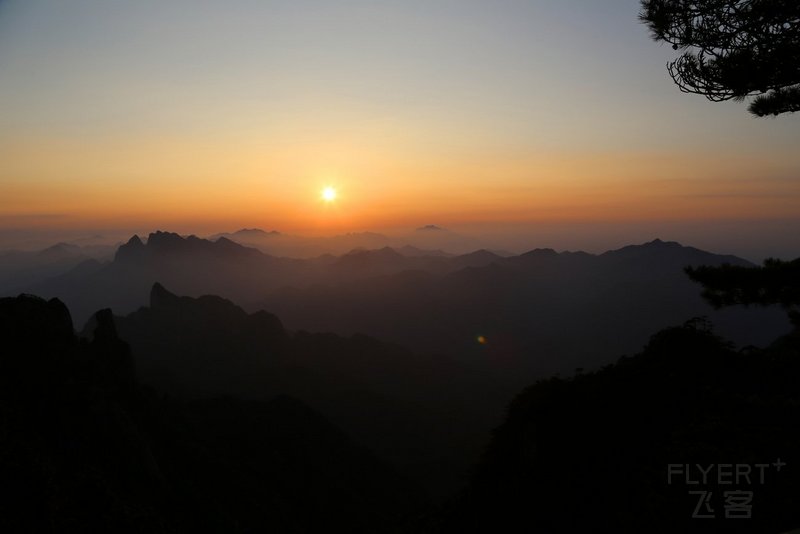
(654, 245)
(430, 228)
(364, 234)
(411, 251)
(666, 250)
(255, 232)
(226, 242)
(659, 243)
(538, 252)
(480, 253)
(159, 296)
(62, 246)
(60, 250)
(384, 254)
(135, 241)
(159, 239)
(131, 250)
(169, 243)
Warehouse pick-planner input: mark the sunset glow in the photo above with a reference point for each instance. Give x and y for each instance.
(329, 194)
(172, 124)
(407, 266)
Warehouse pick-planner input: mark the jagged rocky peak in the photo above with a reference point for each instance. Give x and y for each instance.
(164, 240)
(134, 242)
(42, 353)
(32, 318)
(160, 297)
(180, 311)
(112, 355)
(133, 249)
(160, 244)
(105, 328)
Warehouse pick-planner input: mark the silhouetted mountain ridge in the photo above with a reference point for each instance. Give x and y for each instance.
(657, 247)
(255, 231)
(20, 269)
(166, 244)
(85, 448)
(568, 302)
(565, 300)
(592, 453)
(390, 399)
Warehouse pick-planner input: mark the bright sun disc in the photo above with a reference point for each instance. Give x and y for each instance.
(329, 194)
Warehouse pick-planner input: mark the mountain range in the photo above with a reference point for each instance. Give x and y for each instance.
(430, 240)
(413, 410)
(620, 449)
(86, 447)
(352, 392)
(533, 314)
(22, 268)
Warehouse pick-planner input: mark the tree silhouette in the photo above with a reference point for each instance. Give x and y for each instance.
(732, 49)
(776, 282)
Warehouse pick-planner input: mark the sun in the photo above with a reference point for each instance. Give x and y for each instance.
(329, 194)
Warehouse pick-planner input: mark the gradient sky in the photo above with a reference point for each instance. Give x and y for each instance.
(205, 116)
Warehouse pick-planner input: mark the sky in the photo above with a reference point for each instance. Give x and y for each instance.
(502, 116)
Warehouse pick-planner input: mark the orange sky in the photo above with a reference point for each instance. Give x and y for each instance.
(207, 116)
(265, 183)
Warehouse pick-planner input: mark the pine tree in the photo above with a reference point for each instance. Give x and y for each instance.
(732, 49)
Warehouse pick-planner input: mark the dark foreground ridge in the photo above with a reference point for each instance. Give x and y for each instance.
(85, 448)
(593, 453)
